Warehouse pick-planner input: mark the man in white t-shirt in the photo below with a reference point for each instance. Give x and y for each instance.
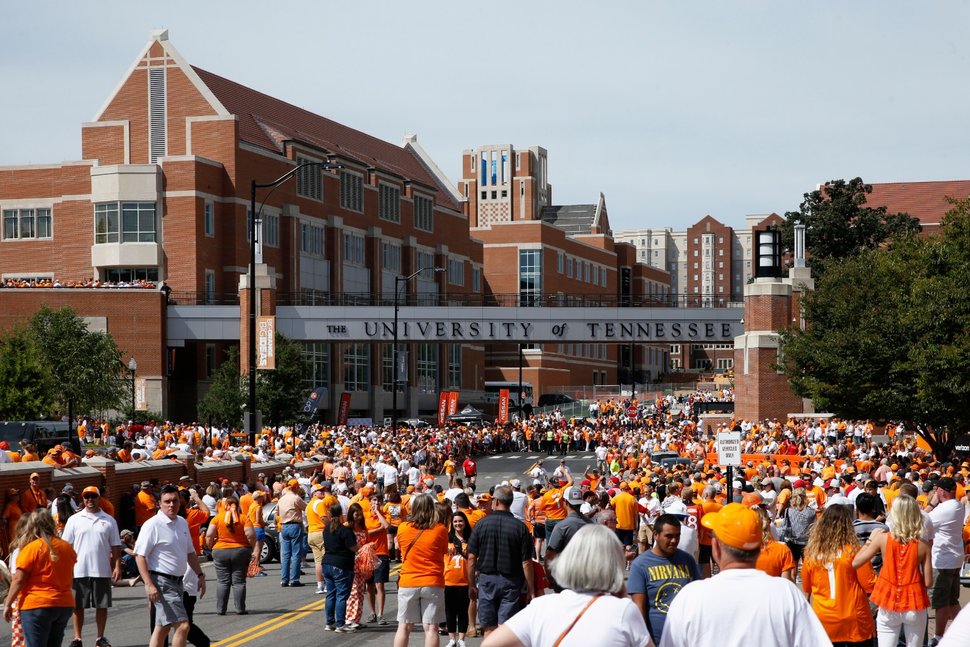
(94, 535)
(947, 514)
(519, 500)
(752, 608)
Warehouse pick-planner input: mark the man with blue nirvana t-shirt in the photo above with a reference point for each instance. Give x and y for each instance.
(657, 575)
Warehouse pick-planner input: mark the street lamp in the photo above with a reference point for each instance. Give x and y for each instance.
(398, 281)
(132, 367)
(253, 229)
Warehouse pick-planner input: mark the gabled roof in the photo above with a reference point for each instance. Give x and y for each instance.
(266, 122)
(924, 200)
(574, 219)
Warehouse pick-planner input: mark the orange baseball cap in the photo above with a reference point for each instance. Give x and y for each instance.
(91, 490)
(292, 483)
(736, 525)
(752, 499)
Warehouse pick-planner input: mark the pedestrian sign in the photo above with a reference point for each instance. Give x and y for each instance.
(729, 448)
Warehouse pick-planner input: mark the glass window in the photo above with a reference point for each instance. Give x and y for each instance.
(476, 280)
(210, 286)
(425, 260)
(530, 276)
(130, 274)
(26, 223)
(311, 239)
(454, 366)
(387, 367)
(357, 367)
(106, 222)
(456, 272)
(391, 257)
(560, 262)
(427, 367)
(209, 219)
(317, 356)
(138, 222)
(353, 248)
(271, 229)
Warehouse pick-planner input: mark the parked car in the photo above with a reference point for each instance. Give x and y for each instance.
(43, 434)
(271, 547)
(553, 399)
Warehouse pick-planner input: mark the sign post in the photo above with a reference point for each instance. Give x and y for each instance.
(729, 455)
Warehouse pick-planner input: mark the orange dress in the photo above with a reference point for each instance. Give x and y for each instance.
(900, 585)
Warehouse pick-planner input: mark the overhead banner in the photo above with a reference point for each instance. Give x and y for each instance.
(266, 343)
(453, 403)
(314, 401)
(503, 406)
(343, 411)
(443, 398)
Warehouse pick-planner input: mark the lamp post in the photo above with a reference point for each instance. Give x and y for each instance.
(253, 229)
(398, 281)
(132, 367)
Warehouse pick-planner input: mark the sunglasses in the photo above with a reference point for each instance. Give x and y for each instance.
(92, 496)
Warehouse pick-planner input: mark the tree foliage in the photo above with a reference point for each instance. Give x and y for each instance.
(279, 393)
(889, 334)
(26, 388)
(839, 223)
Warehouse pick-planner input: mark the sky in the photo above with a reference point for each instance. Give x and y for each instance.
(673, 110)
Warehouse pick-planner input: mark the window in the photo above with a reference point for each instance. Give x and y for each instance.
(569, 268)
(586, 271)
(425, 260)
(454, 365)
(271, 229)
(136, 225)
(603, 277)
(210, 286)
(357, 367)
(675, 349)
(389, 205)
(391, 257)
(209, 218)
(387, 367)
(530, 276)
(317, 356)
(725, 363)
(308, 182)
(560, 262)
(21, 224)
(353, 249)
(427, 368)
(130, 274)
(351, 191)
(456, 272)
(210, 359)
(424, 213)
(311, 239)
(476, 280)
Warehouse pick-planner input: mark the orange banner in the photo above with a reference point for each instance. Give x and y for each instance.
(453, 403)
(443, 398)
(343, 411)
(503, 406)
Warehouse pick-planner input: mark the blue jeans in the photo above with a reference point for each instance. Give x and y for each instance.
(44, 627)
(339, 581)
(291, 547)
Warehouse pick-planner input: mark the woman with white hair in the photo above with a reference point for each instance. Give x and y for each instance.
(592, 609)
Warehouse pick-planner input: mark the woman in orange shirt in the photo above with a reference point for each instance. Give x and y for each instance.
(42, 584)
(900, 591)
(456, 580)
(838, 589)
(421, 586)
(775, 558)
(394, 512)
(231, 540)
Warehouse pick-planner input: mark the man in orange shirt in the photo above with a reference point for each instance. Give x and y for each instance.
(377, 526)
(625, 506)
(145, 504)
(34, 497)
(553, 504)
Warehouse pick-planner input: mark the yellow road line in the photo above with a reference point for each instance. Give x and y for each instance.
(269, 625)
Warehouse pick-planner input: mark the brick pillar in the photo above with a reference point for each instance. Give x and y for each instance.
(107, 468)
(770, 305)
(265, 307)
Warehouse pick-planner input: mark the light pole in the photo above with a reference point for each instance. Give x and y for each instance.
(398, 281)
(253, 229)
(132, 367)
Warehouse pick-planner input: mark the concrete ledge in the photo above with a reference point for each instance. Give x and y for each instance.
(757, 340)
(767, 287)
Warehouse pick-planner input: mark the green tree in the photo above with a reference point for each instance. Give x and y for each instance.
(839, 223)
(279, 393)
(889, 334)
(223, 403)
(26, 391)
(85, 366)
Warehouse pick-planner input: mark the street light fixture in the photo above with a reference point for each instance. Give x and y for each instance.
(253, 229)
(132, 367)
(398, 281)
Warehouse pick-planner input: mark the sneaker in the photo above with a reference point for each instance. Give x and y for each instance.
(452, 643)
(292, 584)
(373, 618)
(382, 621)
(321, 589)
(346, 629)
(284, 584)
(460, 643)
(934, 641)
(75, 643)
(329, 628)
(103, 642)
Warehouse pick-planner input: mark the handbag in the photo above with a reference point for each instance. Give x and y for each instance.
(366, 560)
(254, 567)
(787, 536)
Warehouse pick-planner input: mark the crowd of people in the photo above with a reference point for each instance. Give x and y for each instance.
(821, 537)
(85, 283)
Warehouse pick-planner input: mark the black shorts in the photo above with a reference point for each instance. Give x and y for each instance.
(539, 530)
(382, 574)
(625, 536)
(92, 592)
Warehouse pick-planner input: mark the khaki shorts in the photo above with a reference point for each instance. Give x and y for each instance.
(315, 539)
(421, 605)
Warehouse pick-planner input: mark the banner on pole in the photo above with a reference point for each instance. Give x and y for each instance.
(453, 403)
(503, 406)
(266, 343)
(442, 407)
(141, 394)
(343, 411)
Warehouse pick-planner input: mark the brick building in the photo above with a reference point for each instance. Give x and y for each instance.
(539, 253)
(161, 194)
